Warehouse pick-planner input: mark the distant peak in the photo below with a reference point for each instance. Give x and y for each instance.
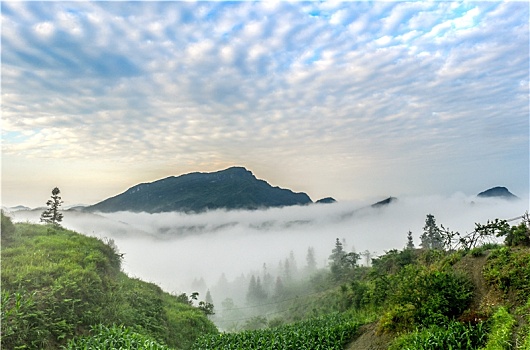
(327, 200)
(499, 191)
(384, 202)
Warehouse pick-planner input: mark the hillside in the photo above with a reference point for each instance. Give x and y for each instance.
(62, 288)
(57, 284)
(467, 294)
(232, 188)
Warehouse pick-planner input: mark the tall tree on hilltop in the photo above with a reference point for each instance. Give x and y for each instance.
(410, 241)
(52, 214)
(431, 237)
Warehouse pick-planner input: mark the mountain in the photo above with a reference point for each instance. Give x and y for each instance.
(16, 208)
(232, 188)
(499, 192)
(327, 200)
(384, 202)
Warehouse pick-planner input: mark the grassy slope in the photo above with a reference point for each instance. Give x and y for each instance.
(57, 284)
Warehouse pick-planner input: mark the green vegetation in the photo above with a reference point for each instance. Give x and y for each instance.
(114, 337)
(328, 332)
(52, 215)
(500, 335)
(57, 284)
(453, 335)
(64, 290)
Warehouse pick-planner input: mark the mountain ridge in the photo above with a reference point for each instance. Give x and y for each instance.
(231, 188)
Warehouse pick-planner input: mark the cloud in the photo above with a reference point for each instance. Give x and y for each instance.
(173, 249)
(184, 83)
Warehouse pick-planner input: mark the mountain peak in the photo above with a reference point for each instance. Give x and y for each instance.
(232, 188)
(499, 191)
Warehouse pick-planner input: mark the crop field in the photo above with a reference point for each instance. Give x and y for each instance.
(327, 332)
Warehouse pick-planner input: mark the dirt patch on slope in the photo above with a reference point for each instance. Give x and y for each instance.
(484, 296)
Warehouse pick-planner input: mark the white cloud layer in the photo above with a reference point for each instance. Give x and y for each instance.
(364, 90)
(173, 249)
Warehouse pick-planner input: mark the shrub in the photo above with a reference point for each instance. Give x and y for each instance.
(433, 297)
(7, 228)
(508, 269)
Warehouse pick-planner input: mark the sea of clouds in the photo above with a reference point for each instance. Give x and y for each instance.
(172, 249)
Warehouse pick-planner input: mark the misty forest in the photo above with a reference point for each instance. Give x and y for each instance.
(299, 282)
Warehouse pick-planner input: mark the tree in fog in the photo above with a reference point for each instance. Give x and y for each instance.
(367, 255)
(337, 254)
(52, 214)
(255, 294)
(287, 273)
(208, 297)
(431, 237)
(279, 288)
(292, 264)
(268, 280)
(311, 260)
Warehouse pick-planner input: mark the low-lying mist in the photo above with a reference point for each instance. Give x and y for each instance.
(174, 249)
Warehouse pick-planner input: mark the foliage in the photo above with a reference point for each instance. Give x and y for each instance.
(114, 337)
(423, 296)
(509, 271)
(518, 235)
(55, 286)
(52, 214)
(499, 337)
(454, 335)
(326, 332)
(342, 262)
(431, 237)
(7, 229)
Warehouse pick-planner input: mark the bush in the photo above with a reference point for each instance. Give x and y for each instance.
(430, 297)
(508, 269)
(7, 229)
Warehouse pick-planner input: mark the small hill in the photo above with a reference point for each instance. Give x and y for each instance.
(232, 188)
(498, 192)
(58, 284)
(327, 200)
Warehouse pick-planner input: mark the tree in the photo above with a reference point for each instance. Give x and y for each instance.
(337, 253)
(431, 237)
(207, 305)
(311, 260)
(52, 214)
(410, 241)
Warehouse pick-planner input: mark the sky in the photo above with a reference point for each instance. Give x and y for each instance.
(354, 100)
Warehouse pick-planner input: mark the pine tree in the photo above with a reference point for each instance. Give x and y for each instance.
(208, 297)
(52, 214)
(311, 260)
(431, 237)
(337, 254)
(337, 258)
(410, 241)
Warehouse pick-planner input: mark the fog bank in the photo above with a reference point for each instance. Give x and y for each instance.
(173, 249)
